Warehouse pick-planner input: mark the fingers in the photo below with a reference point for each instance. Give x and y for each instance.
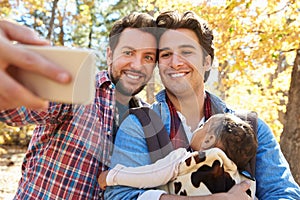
(13, 95)
(22, 34)
(31, 61)
(245, 185)
(238, 191)
(16, 55)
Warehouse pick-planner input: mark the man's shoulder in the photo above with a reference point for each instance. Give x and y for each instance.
(217, 104)
(102, 77)
(138, 102)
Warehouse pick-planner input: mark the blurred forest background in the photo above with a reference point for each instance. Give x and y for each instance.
(257, 45)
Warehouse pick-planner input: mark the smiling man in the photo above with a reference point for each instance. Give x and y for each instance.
(71, 144)
(131, 62)
(182, 66)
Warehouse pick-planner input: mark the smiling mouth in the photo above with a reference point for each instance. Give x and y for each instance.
(178, 75)
(133, 76)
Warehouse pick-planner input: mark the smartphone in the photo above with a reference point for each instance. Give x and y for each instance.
(80, 63)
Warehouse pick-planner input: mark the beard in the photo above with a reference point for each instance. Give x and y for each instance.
(120, 87)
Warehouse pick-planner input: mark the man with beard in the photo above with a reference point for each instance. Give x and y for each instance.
(71, 144)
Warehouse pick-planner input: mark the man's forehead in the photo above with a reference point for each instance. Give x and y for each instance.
(137, 39)
(179, 38)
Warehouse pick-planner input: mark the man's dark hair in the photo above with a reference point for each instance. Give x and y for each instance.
(189, 20)
(142, 21)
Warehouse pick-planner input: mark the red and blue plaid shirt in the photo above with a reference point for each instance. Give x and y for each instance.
(70, 146)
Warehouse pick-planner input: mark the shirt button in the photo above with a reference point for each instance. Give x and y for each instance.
(53, 120)
(111, 106)
(108, 132)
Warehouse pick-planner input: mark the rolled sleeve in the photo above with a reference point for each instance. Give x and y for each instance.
(151, 194)
(273, 175)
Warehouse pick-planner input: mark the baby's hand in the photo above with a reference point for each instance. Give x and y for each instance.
(102, 179)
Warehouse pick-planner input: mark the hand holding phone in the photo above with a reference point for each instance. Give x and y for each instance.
(80, 63)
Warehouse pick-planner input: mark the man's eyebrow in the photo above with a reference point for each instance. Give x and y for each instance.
(187, 46)
(153, 53)
(134, 49)
(164, 49)
(127, 47)
(181, 46)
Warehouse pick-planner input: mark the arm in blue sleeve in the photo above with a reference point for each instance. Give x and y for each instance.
(130, 149)
(273, 175)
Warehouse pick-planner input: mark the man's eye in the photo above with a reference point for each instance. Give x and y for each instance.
(186, 53)
(150, 58)
(165, 55)
(127, 53)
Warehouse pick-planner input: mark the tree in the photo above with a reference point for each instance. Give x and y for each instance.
(51, 24)
(290, 138)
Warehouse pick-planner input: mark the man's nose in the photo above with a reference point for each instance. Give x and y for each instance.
(137, 62)
(177, 61)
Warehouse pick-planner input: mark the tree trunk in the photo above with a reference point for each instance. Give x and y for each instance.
(62, 33)
(222, 75)
(61, 18)
(51, 23)
(92, 23)
(290, 138)
(150, 89)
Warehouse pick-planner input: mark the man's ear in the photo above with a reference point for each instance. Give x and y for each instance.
(207, 63)
(109, 56)
(209, 141)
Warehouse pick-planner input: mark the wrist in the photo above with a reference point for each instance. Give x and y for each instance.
(102, 179)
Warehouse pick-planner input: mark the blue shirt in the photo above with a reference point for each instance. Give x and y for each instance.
(273, 176)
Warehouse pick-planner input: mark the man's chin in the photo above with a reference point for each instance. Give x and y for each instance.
(129, 92)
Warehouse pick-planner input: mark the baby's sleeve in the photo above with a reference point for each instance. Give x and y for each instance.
(148, 176)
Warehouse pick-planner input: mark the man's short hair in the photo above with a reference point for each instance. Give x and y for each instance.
(142, 21)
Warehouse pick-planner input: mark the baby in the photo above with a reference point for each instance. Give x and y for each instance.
(223, 147)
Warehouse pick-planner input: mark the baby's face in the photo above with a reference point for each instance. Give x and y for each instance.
(203, 135)
(200, 134)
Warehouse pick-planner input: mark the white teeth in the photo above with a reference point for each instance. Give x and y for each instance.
(177, 75)
(132, 76)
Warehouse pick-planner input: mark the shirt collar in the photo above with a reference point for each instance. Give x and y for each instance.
(102, 78)
(217, 105)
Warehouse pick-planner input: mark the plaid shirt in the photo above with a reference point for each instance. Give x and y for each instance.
(70, 146)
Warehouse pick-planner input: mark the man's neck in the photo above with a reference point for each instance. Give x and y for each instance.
(191, 107)
(122, 105)
(122, 99)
